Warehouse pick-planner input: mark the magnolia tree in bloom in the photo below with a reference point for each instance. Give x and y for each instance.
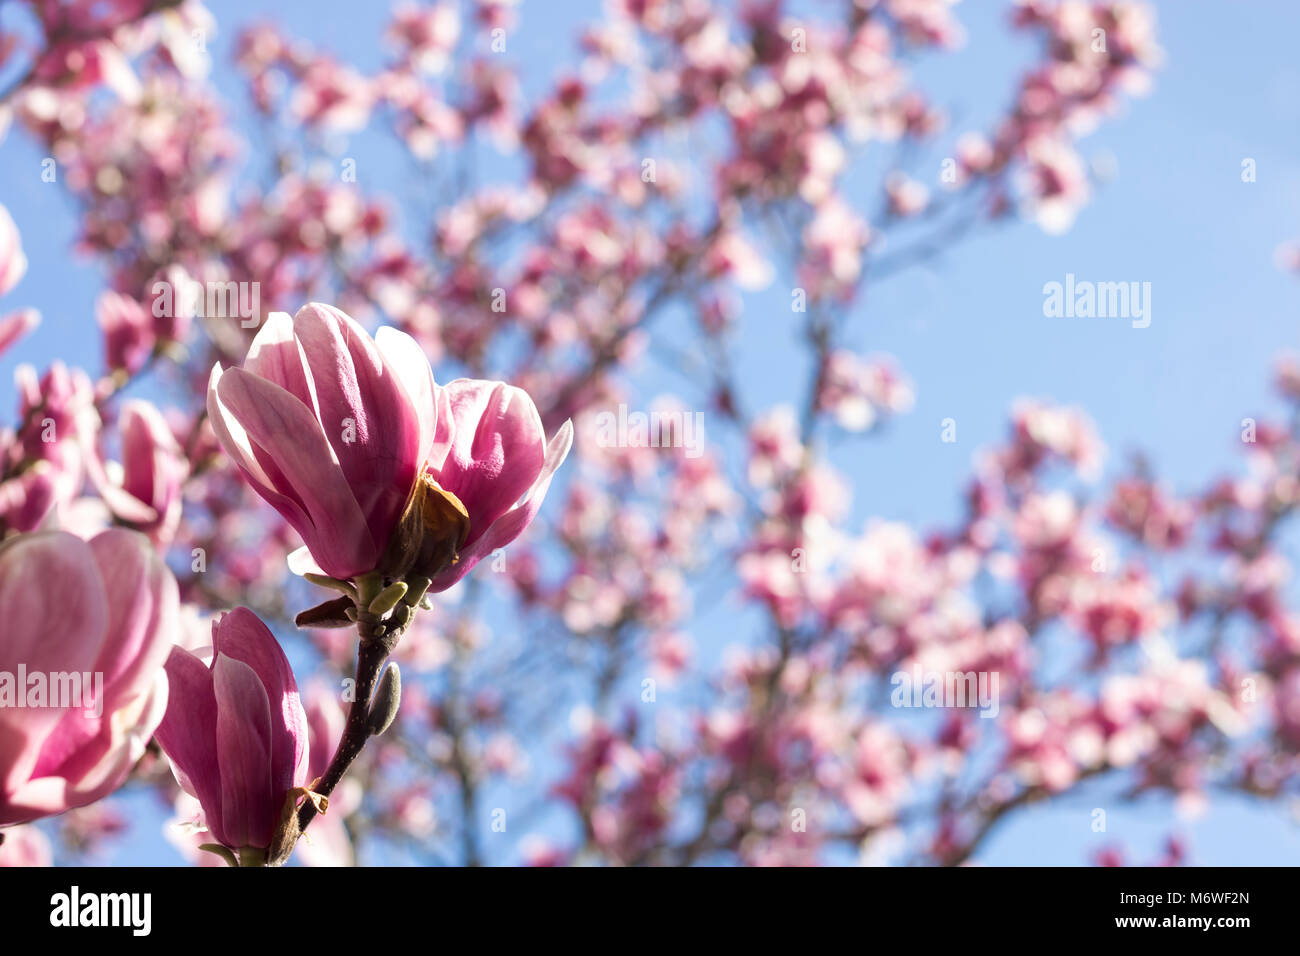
(322, 443)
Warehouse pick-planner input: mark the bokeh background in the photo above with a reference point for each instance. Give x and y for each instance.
(1169, 206)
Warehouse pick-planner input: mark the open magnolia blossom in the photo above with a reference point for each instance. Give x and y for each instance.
(148, 494)
(236, 733)
(86, 627)
(373, 463)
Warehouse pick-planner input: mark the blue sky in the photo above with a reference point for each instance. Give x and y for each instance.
(968, 329)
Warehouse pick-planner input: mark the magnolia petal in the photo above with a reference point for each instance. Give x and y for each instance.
(142, 606)
(187, 733)
(509, 526)
(364, 411)
(276, 357)
(44, 635)
(243, 740)
(286, 437)
(405, 358)
(125, 737)
(497, 451)
(34, 799)
(232, 436)
(242, 636)
(13, 263)
(143, 601)
(151, 460)
(302, 563)
(16, 325)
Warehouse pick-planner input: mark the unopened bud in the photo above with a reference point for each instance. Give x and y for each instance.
(334, 584)
(328, 614)
(388, 697)
(388, 598)
(416, 587)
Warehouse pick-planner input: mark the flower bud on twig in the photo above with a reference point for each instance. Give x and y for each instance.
(388, 598)
(333, 613)
(383, 709)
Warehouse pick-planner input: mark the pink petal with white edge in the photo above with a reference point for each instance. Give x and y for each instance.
(291, 449)
(235, 440)
(407, 361)
(12, 261)
(143, 616)
(276, 356)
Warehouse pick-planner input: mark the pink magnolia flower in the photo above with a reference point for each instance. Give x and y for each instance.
(94, 616)
(81, 65)
(334, 96)
(1054, 183)
(425, 36)
(235, 731)
(370, 460)
(325, 432)
(59, 419)
(153, 468)
(126, 325)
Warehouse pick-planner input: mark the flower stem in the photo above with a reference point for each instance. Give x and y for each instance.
(252, 856)
(370, 661)
(375, 644)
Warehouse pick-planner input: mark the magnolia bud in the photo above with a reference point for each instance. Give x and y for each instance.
(327, 614)
(416, 588)
(334, 584)
(388, 697)
(388, 598)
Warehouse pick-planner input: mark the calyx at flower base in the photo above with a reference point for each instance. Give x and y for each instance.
(430, 534)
